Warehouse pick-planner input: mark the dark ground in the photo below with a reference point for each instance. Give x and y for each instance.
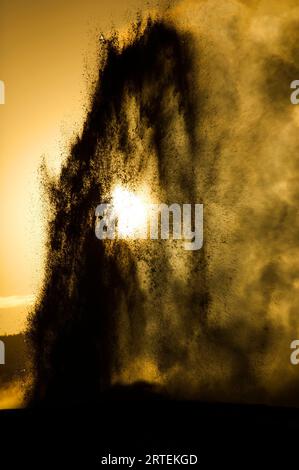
(229, 436)
(135, 421)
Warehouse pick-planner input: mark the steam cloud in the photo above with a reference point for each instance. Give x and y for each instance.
(196, 108)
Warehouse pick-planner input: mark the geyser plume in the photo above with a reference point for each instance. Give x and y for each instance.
(189, 110)
(106, 312)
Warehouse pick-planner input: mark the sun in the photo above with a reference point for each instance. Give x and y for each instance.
(130, 210)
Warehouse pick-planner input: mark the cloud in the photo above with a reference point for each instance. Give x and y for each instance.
(13, 301)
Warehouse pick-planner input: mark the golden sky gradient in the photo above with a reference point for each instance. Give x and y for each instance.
(47, 61)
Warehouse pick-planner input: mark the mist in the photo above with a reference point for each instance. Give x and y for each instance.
(192, 106)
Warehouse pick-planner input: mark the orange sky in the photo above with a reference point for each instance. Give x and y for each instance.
(48, 55)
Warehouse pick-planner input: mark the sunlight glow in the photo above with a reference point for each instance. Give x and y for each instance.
(131, 212)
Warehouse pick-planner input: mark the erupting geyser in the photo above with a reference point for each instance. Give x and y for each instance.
(107, 313)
